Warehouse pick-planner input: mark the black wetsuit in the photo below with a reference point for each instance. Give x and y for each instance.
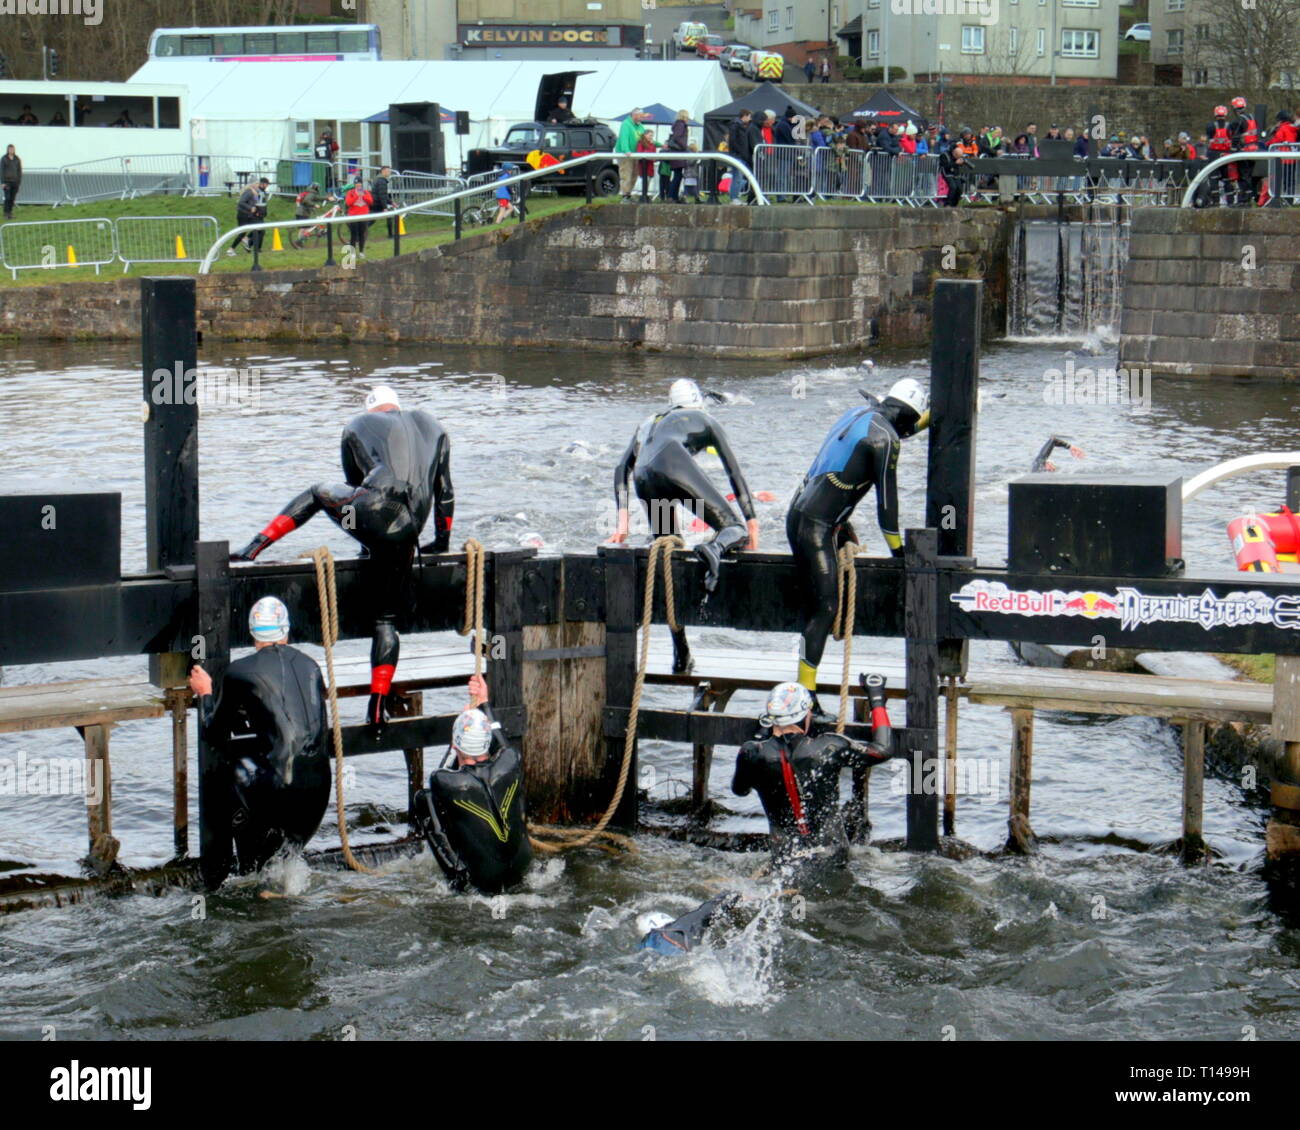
(685, 933)
(660, 462)
(860, 452)
(1045, 453)
(397, 466)
(474, 821)
(798, 780)
(270, 730)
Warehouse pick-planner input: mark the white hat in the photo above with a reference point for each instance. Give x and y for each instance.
(471, 733)
(788, 704)
(685, 394)
(381, 395)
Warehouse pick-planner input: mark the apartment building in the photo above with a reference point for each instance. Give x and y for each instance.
(1069, 42)
(509, 29)
(797, 29)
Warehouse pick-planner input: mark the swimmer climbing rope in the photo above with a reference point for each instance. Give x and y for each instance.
(845, 614)
(551, 838)
(329, 632)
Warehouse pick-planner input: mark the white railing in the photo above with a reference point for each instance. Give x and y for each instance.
(477, 190)
(1272, 154)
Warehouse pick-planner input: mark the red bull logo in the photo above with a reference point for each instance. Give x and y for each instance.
(986, 596)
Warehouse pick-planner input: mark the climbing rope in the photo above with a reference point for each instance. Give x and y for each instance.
(329, 631)
(475, 559)
(845, 615)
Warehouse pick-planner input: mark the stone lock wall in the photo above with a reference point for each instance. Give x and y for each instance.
(1213, 292)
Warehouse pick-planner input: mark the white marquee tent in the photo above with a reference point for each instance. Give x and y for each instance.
(276, 109)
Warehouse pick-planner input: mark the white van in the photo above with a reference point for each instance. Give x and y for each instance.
(687, 33)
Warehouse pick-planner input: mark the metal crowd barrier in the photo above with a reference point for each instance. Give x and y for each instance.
(1283, 182)
(164, 239)
(57, 243)
(96, 242)
(785, 170)
(41, 186)
(840, 175)
(909, 178)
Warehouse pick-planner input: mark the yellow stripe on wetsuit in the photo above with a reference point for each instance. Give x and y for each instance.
(501, 831)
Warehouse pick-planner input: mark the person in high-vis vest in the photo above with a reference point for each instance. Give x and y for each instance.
(1245, 139)
(1219, 142)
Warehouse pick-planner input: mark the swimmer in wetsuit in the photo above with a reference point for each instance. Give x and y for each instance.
(1043, 460)
(660, 462)
(667, 935)
(860, 452)
(270, 731)
(397, 466)
(472, 814)
(796, 770)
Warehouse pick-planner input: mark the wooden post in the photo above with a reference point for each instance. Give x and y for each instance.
(859, 807)
(706, 698)
(950, 757)
(411, 705)
(954, 403)
(99, 808)
(178, 702)
(1282, 837)
(1193, 789)
(212, 579)
(921, 619)
(510, 571)
(169, 360)
(1020, 834)
(621, 623)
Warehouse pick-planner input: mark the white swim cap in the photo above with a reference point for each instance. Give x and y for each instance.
(909, 391)
(268, 621)
(788, 704)
(685, 394)
(654, 920)
(381, 395)
(471, 733)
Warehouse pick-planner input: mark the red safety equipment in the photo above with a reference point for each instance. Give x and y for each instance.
(1221, 140)
(1239, 103)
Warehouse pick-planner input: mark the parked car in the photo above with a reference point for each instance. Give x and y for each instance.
(687, 33)
(571, 139)
(764, 65)
(709, 46)
(1139, 33)
(738, 57)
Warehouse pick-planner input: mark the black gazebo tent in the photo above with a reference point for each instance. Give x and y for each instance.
(765, 96)
(884, 108)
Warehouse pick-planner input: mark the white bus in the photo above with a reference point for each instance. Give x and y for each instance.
(326, 43)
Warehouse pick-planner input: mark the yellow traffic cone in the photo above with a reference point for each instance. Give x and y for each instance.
(401, 225)
(276, 245)
(72, 256)
(180, 248)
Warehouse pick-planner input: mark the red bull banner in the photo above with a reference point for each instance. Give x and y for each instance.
(1132, 607)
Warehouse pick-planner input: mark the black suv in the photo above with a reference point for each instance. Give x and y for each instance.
(562, 141)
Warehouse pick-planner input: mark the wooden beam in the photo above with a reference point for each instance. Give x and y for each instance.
(1282, 836)
(622, 618)
(951, 698)
(178, 702)
(1020, 834)
(216, 803)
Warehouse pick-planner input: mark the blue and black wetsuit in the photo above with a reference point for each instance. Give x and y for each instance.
(860, 452)
(474, 821)
(660, 461)
(270, 731)
(397, 470)
(685, 933)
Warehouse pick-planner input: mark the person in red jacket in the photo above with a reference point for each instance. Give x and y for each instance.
(358, 202)
(1283, 172)
(1218, 141)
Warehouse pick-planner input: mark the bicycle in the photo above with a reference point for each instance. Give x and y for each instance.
(303, 238)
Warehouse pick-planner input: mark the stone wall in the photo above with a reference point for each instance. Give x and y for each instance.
(1213, 293)
(1157, 111)
(782, 281)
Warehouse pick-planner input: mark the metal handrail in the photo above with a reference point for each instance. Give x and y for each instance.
(533, 174)
(1234, 159)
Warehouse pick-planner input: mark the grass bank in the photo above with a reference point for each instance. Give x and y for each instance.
(422, 231)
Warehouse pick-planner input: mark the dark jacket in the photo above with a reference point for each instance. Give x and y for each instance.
(11, 169)
(677, 139)
(783, 132)
(740, 143)
(379, 191)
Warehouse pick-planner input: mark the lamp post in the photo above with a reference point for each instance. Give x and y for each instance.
(942, 48)
(1054, 44)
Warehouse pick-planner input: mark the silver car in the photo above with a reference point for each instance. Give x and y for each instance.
(736, 60)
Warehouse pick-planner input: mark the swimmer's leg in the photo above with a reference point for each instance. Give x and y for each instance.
(334, 500)
(660, 505)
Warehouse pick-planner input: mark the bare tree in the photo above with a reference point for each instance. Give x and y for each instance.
(1246, 44)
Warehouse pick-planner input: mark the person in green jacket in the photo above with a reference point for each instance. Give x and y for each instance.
(628, 136)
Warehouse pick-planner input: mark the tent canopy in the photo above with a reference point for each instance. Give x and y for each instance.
(765, 96)
(884, 108)
(660, 115)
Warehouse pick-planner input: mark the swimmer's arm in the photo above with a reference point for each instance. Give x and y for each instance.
(352, 457)
(1041, 460)
(734, 474)
(622, 473)
(886, 465)
(741, 784)
(448, 858)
